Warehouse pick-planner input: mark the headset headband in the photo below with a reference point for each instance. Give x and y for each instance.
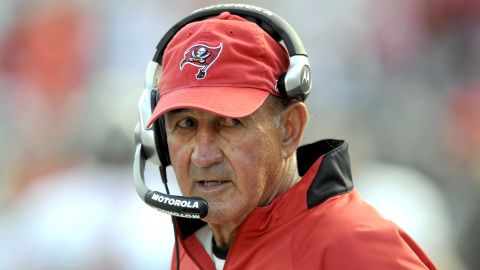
(267, 20)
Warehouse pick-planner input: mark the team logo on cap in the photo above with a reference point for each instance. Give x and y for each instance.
(201, 56)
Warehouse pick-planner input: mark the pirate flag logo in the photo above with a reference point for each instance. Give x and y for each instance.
(201, 56)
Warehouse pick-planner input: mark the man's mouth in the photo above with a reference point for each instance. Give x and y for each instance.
(211, 183)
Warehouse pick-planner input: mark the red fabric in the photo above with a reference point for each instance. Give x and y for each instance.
(342, 233)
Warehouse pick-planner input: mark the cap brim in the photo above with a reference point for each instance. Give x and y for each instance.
(225, 101)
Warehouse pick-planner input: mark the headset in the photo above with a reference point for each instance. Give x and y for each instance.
(151, 142)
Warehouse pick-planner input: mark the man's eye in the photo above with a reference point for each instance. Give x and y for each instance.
(186, 123)
(230, 122)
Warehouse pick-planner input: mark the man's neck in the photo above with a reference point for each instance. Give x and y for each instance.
(289, 178)
(224, 234)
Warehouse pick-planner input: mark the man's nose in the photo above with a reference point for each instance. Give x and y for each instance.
(206, 151)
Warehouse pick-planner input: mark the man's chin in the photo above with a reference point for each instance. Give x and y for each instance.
(219, 213)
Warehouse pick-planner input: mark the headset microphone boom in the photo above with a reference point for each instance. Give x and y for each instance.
(146, 149)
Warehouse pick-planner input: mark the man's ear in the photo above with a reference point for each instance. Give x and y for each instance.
(294, 120)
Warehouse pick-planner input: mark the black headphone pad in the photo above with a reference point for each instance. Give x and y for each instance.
(160, 135)
(281, 85)
(161, 142)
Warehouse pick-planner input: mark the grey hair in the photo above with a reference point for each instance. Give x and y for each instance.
(280, 104)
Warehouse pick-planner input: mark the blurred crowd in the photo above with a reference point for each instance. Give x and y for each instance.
(399, 80)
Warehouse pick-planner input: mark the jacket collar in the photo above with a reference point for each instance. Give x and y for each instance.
(333, 176)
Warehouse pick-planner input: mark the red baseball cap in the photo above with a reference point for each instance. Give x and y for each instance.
(226, 65)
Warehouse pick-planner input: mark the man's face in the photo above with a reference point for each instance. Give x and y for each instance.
(232, 163)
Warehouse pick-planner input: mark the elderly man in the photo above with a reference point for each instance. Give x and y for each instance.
(233, 130)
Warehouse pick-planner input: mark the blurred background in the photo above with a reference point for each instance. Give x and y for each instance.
(399, 80)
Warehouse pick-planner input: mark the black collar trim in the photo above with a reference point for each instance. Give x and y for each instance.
(333, 176)
(219, 252)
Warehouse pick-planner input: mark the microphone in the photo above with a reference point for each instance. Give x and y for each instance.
(178, 206)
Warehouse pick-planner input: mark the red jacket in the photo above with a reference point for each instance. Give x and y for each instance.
(320, 223)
